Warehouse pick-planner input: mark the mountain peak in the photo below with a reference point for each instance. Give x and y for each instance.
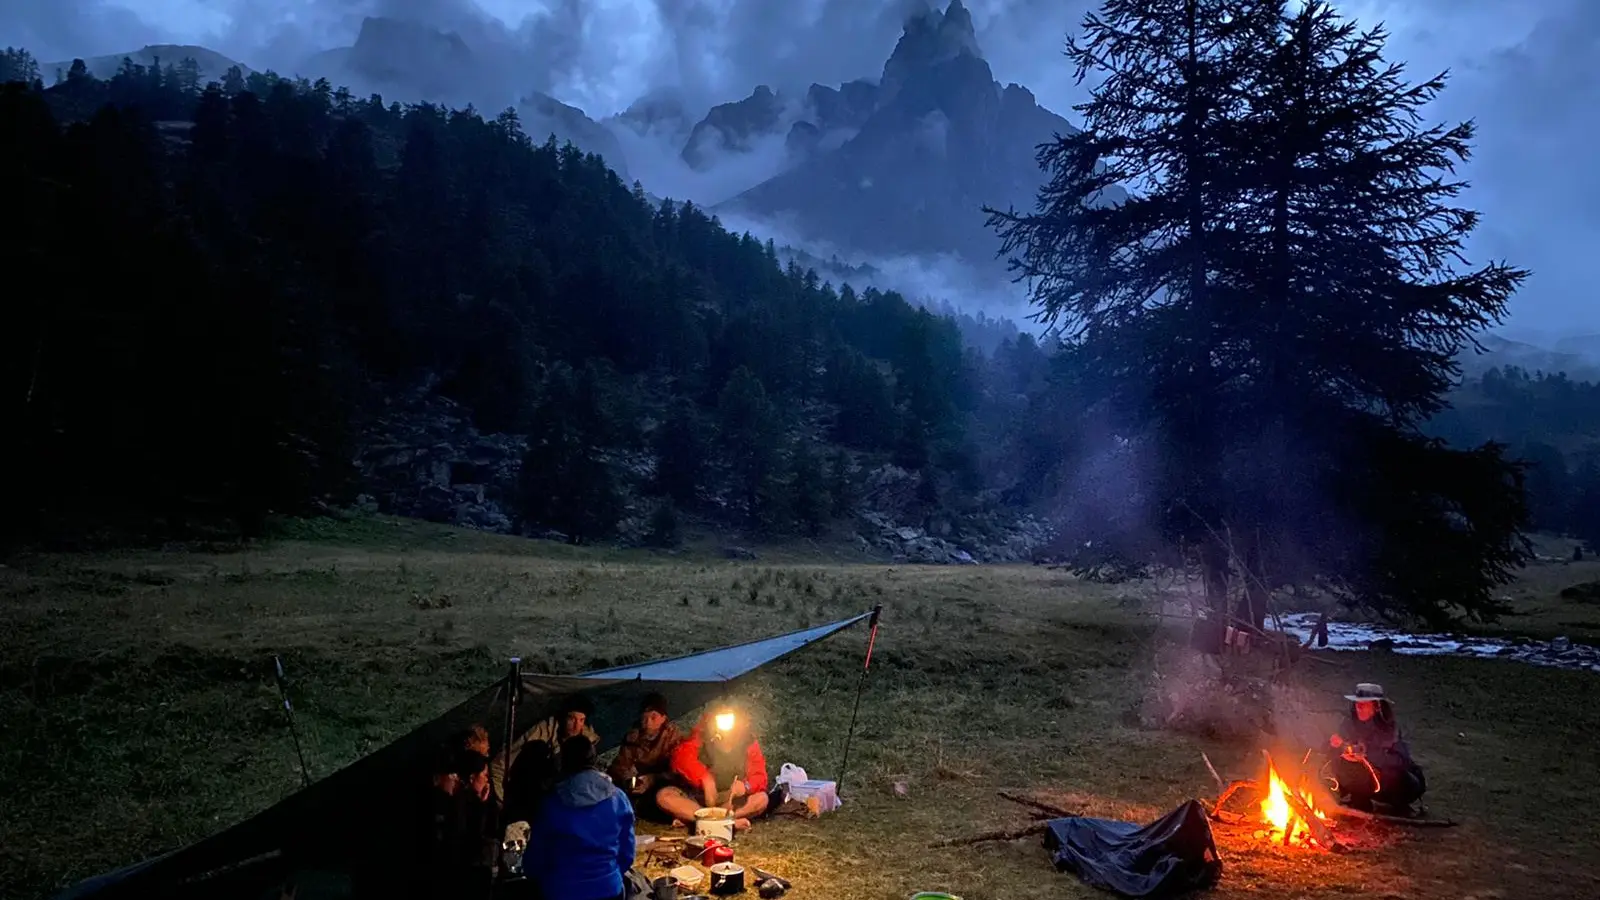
(929, 39)
(399, 42)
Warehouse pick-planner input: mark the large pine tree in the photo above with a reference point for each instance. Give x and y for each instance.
(1276, 304)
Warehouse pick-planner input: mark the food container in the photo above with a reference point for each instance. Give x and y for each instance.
(687, 876)
(664, 888)
(727, 878)
(715, 822)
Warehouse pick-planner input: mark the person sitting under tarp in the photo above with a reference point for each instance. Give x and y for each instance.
(644, 764)
(1370, 761)
(581, 841)
(535, 763)
(720, 758)
(458, 853)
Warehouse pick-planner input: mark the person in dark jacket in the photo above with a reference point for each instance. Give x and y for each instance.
(1370, 760)
(535, 759)
(644, 764)
(581, 842)
(458, 853)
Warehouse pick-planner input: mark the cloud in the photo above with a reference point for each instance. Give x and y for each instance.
(1524, 70)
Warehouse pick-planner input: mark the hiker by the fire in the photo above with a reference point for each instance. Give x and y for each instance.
(1370, 761)
(643, 766)
(720, 760)
(535, 763)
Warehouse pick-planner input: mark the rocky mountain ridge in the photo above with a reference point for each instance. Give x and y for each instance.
(897, 166)
(916, 156)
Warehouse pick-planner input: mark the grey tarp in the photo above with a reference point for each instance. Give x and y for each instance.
(355, 816)
(1173, 855)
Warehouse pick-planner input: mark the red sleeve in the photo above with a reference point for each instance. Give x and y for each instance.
(686, 762)
(755, 768)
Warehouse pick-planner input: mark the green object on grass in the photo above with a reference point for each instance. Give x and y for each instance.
(933, 895)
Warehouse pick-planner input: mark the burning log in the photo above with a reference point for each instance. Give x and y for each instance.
(1289, 810)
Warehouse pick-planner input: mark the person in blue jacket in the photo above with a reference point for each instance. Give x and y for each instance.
(583, 835)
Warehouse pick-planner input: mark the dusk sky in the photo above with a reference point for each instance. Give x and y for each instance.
(1527, 70)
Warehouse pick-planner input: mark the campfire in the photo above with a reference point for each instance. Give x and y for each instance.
(1288, 810)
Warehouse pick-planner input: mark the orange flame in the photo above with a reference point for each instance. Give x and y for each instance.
(1277, 812)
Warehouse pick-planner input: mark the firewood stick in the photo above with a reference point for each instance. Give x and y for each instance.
(1213, 770)
(1010, 835)
(1226, 795)
(1035, 804)
(1345, 812)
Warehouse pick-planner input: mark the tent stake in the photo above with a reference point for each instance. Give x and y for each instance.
(288, 711)
(872, 640)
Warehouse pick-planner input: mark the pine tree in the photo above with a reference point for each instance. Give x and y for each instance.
(750, 436)
(17, 64)
(841, 485)
(665, 531)
(564, 482)
(680, 455)
(807, 491)
(1274, 306)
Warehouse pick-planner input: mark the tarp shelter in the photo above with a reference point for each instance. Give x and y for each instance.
(339, 836)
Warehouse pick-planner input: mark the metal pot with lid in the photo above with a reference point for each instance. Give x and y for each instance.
(727, 878)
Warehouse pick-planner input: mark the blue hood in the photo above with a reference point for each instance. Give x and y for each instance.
(585, 789)
(582, 840)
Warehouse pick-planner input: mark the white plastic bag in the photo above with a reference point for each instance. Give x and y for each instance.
(791, 774)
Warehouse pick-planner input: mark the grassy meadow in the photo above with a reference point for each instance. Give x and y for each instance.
(139, 712)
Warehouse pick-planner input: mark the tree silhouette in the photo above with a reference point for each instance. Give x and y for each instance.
(1275, 306)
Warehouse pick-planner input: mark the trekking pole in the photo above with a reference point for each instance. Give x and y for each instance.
(513, 694)
(872, 639)
(288, 711)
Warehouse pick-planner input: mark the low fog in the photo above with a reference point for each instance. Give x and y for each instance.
(1522, 68)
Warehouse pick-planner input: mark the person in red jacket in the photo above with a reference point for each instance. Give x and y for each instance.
(720, 760)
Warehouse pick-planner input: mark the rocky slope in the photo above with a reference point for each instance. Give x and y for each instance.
(420, 456)
(913, 158)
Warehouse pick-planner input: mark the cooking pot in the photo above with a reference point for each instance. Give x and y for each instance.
(714, 821)
(727, 878)
(696, 847)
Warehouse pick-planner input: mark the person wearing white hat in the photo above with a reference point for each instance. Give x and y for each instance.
(1370, 760)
